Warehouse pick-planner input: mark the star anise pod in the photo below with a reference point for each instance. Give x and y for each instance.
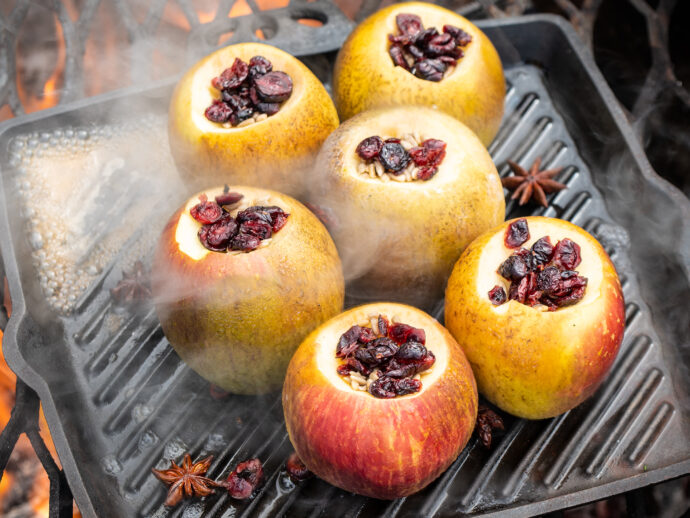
(134, 286)
(186, 480)
(487, 422)
(532, 183)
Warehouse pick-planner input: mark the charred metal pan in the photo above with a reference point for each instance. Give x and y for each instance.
(119, 401)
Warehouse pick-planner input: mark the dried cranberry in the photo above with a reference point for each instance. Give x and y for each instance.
(411, 352)
(416, 52)
(396, 369)
(229, 198)
(497, 295)
(513, 268)
(384, 388)
(439, 45)
(425, 36)
(542, 251)
(518, 291)
(549, 280)
(460, 36)
(274, 87)
(566, 254)
(245, 478)
(354, 364)
(244, 242)
(427, 173)
(427, 362)
(348, 341)
(259, 66)
(218, 112)
(296, 469)
(380, 350)
(409, 24)
(370, 148)
(256, 228)
(343, 369)
(235, 75)
(516, 233)
(217, 236)
(402, 333)
(393, 157)
(205, 211)
(392, 140)
(407, 386)
(254, 213)
(451, 60)
(429, 69)
(487, 421)
(396, 54)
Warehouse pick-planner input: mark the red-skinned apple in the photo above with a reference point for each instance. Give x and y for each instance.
(382, 448)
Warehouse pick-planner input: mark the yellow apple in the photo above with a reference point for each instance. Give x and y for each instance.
(530, 362)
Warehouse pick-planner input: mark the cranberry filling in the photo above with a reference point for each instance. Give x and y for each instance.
(542, 275)
(221, 231)
(392, 353)
(426, 53)
(394, 157)
(247, 91)
(244, 479)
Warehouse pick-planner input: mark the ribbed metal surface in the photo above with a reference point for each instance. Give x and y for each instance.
(143, 407)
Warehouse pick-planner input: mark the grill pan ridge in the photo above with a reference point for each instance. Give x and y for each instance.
(119, 401)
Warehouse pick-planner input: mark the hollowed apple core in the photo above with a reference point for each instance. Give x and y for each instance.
(426, 53)
(187, 233)
(384, 358)
(407, 158)
(496, 253)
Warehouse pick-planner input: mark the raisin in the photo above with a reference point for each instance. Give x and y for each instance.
(409, 24)
(566, 254)
(274, 87)
(513, 268)
(542, 251)
(205, 211)
(393, 157)
(487, 421)
(244, 479)
(516, 233)
(370, 148)
(268, 108)
(416, 52)
(497, 295)
(229, 198)
(549, 280)
(296, 469)
(218, 112)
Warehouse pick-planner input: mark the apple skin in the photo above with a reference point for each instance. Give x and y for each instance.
(529, 363)
(237, 319)
(365, 76)
(395, 237)
(382, 448)
(275, 153)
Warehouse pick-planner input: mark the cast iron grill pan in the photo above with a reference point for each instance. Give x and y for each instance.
(119, 401)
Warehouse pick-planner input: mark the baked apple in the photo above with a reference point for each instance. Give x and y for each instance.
(240, 276)
(379, 400)
(421, 54)
(537, 306)
(406, 190)
(249, 114)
